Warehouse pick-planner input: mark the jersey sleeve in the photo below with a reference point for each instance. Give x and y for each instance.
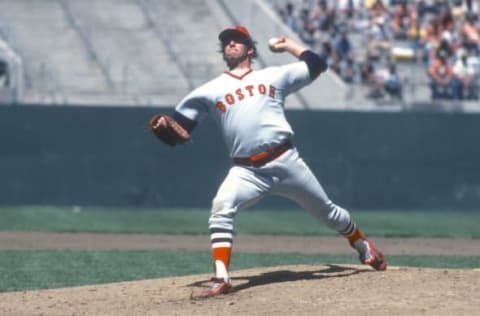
(195, 106)
(294, 76)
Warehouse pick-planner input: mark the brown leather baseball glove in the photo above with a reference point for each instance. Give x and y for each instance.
(168, 130)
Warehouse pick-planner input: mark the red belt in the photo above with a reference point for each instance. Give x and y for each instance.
(265, 157)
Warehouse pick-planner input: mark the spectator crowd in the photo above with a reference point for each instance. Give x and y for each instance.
(440, 37)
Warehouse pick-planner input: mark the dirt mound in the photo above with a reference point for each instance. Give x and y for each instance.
(286, 290)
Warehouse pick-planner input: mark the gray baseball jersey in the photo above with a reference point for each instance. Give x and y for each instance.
(249, 109)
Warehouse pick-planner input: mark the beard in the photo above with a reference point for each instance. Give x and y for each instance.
(234, 61)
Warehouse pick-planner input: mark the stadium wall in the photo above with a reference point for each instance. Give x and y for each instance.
(105, 156)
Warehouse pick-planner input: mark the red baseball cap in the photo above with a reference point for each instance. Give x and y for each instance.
(238, 31)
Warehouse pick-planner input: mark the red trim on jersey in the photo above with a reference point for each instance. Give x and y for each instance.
(239, 77)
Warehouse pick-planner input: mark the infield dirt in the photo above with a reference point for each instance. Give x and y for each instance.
(284, 290)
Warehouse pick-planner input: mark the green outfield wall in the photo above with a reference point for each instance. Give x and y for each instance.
(105, 156)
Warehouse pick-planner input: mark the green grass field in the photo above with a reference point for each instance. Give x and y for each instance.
(22, 270)
(420, 223)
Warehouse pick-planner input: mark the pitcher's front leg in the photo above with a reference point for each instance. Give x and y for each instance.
(241, 188)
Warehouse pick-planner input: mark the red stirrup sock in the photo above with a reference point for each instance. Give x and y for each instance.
(356, 235)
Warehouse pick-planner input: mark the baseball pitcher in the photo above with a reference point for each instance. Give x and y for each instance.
(249, 108)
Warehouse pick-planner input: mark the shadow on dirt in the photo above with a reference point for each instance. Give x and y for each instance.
(332, 271)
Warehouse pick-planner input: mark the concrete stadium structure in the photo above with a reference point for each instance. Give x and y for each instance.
(142, 52)
(133, 52)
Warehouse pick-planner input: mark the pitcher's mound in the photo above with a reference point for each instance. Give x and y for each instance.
(286, 290)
